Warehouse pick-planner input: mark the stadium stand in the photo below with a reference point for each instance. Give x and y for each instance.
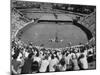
(17, 21)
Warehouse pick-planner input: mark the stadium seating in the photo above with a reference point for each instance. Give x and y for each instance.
(17, 21)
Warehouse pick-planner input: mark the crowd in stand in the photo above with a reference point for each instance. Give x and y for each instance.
(89, 21)
(17, 21)
(66, 7)
(28, 59)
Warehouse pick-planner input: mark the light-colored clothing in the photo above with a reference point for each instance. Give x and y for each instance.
(78, 55)
(59, 56)
(38, 59)
(44, 65)
(75, 63)
(26, 54)
(53, 62)
(84, 62)
(62, 68)
(67, 59)
(19, 57)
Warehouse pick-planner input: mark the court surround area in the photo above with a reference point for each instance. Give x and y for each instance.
(41, 33)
